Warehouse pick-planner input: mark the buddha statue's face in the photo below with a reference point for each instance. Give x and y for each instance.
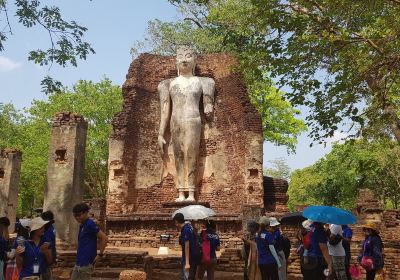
(185, 60)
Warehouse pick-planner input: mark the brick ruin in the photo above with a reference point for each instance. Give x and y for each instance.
(142, 189)
(10, 169)
(65, 173)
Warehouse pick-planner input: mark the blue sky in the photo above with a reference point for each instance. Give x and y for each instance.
(113, 26)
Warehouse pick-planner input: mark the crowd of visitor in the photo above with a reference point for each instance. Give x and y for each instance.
(324, 250)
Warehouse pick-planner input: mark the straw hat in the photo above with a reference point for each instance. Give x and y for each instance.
(37, 223)
(273, 222)
(370, 225)
(264, 220)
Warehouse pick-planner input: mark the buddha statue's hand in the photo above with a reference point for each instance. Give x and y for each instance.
(161, 143)
(208, 109)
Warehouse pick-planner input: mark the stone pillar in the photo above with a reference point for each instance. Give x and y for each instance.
(65, 174)
(10, 167)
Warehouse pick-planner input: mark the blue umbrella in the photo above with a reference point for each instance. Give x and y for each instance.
(329, 215)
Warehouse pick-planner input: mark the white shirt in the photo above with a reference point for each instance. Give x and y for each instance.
(336, 250)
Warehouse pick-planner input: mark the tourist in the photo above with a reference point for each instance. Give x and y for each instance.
(210, 244)
(317, 255)
(49, 236)
(268, 260)
(249, 252)
(31, 255)
(337, 252)
(278, 244)
(4, 224)
(88, 238)
(347, 236)
(371, 256)
(190, 250)
(304, 236)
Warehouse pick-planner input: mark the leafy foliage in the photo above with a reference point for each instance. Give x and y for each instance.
(279, 169)
(66, 37)
(336, 178)
(97, 102)
(339, 58)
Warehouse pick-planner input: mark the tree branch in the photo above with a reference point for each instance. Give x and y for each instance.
(195, 21)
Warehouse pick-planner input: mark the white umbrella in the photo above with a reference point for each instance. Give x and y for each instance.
(195, 212)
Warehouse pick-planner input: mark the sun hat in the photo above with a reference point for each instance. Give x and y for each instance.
(307, 224)
(370, 225)
(264, 220)
(26, 223)
(37, 223)
(273, 222)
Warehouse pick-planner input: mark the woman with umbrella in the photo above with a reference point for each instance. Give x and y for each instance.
(371, 256)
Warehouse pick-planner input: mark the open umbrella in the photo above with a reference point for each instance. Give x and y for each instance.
(195, 212)
(329, 215)
(292, 218)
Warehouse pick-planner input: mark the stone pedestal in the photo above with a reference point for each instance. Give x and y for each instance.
(65, 174)
(10, 167)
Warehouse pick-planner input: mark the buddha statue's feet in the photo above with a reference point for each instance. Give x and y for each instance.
(180, 198)
(190, 198)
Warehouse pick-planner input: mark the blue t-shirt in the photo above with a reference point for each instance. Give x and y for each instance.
(87, 243)
(318, 236)
(278, 240)
(49, 236)
(32, 257)
(213, 237)
(3, 249)
(188, 234)
(347, 232)
(263, 240)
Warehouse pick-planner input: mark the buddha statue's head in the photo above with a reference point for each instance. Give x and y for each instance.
(185, 59)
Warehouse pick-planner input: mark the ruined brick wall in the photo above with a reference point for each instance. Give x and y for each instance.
(230, 161)
(10, 168)
(275, 194)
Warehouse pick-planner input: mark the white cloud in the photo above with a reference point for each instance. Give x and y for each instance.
(7, 64)
(338, 137)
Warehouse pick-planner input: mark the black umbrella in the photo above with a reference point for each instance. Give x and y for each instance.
(293, 218)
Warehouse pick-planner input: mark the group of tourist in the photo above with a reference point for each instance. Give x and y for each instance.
(33, 253)
(324, 249)
(325, 252)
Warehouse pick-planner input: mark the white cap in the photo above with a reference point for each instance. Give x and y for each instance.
(273, 222)
(37, 223)
(307, 224)
(25, 222)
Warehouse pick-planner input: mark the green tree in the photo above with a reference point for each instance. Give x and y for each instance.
(66, 38)
(281, 123)
(339, 58)
(336, 178)
(279, 169)
(97, 102)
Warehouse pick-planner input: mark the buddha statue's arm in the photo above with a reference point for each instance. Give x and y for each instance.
(165, 105)
(208, 86)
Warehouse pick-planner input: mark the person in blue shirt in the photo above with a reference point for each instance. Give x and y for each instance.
(190, 248)
(88, 238)
(49, 236)
(210, 236)
(278, 244)
(268, 260)
(347, 236)
(318, 255)
(31, 257)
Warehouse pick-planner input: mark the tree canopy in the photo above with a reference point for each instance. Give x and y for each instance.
(30, 132)
(336, 178)
(338, 58)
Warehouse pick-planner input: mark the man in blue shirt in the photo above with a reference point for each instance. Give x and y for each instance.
(190, 249)
(268, 260)
(318, 254)
(89, 234)
(49, 237)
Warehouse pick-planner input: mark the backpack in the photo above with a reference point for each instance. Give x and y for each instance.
(205, 248)
(286, 246)
(307, 240)
(335, 240)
